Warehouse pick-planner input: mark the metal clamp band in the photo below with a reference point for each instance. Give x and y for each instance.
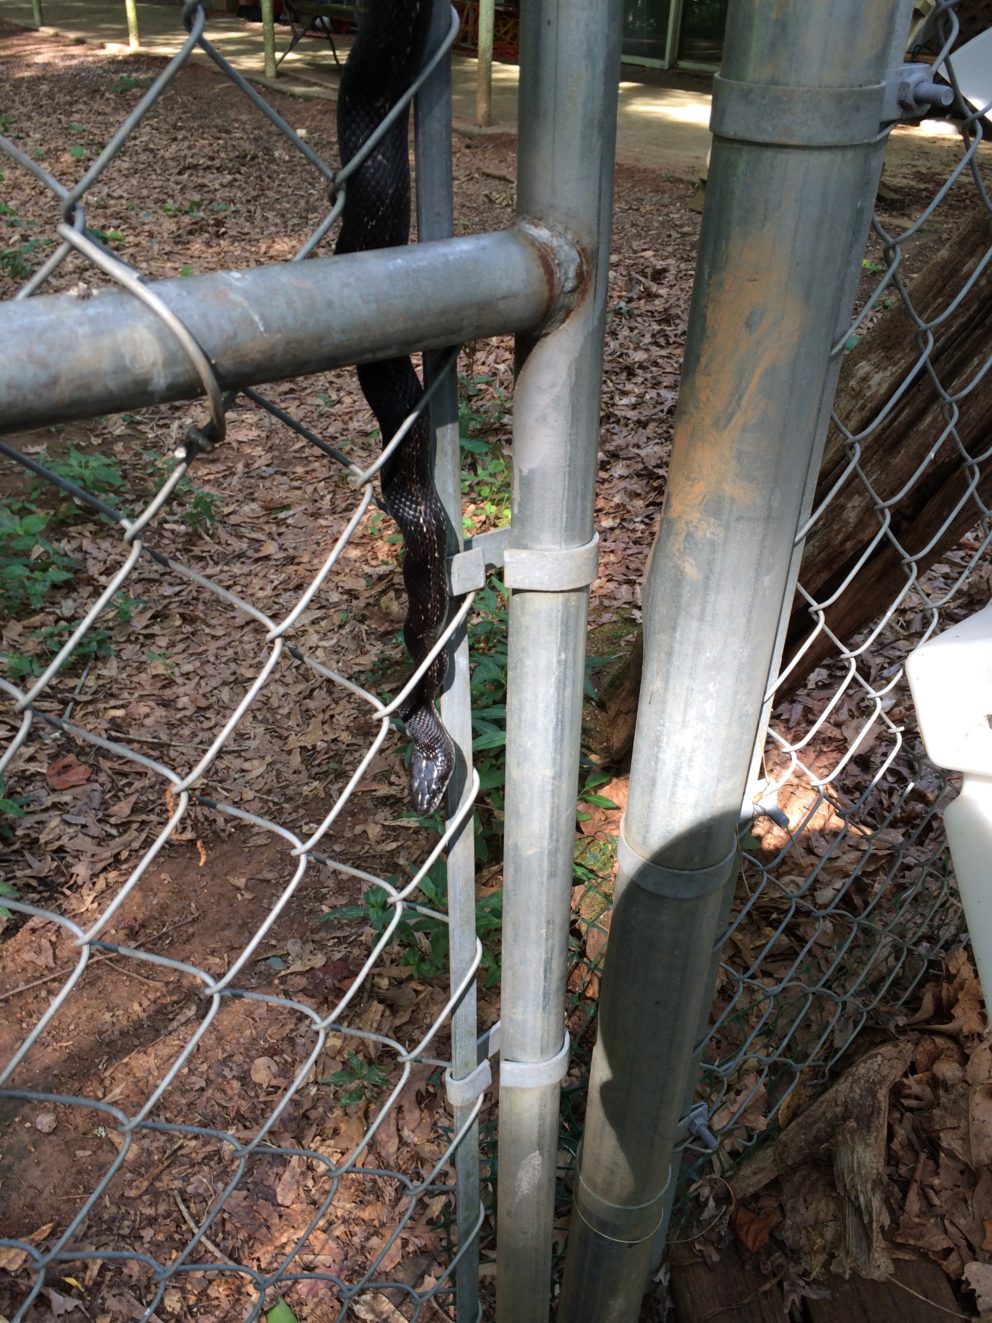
(463, 1092)
(535, 1074)
(467, 569)
(551, 569)
(672, 883)
(777, 116)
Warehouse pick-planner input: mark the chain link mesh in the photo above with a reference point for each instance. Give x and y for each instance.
(211, 1194)
(839, 915)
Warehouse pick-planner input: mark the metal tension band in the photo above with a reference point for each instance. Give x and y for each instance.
(535, 1074)
(551, 570)
(796, 116)
(672, 883)
(463, 1092)
(467, 570)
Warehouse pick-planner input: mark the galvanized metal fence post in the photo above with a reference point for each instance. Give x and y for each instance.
(484, 73)
(435, 220)
(570, 59)
(269, 38)
(796, 116)
(849, 276)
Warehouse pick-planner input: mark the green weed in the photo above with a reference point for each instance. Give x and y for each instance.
(359, 1079)
(191, 208)
(14, 260)
(30, 565)
(10, 808)
(128, 83)
(486, 481)
(96, 473)
(422, 939)
(10, 891)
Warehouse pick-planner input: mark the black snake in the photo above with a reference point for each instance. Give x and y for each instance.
(384, 61)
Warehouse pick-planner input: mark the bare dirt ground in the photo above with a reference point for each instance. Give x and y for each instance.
(206, 184)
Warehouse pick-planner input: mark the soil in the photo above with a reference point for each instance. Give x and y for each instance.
(205, 183)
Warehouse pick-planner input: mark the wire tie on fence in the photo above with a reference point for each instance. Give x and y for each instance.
(672, 883)
(551, 569)
(536, 1074)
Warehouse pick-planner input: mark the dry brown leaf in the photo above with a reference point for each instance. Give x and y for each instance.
(753, 1230)
(66, 772)
(980, 1125)
(266, 1072)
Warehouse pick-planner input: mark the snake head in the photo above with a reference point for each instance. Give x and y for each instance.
(430, 774)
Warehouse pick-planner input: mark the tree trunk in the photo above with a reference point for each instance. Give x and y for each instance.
(917, 496)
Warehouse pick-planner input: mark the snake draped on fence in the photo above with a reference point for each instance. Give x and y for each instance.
(384, 61)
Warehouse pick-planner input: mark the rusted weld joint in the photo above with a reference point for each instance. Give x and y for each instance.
(564, 269)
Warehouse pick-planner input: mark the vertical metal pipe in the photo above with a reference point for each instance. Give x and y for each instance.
(131, 13)
(38, 12)
(569, 67)
(874, 159)
(484, 71)
(269, 38)
(435, 220)
(796, 116)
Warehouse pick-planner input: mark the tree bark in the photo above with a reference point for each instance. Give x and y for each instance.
(915, 447)
(916, 494)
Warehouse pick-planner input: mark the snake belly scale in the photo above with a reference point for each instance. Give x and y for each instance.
(383, 62)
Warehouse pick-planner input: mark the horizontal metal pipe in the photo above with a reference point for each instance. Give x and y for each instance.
(65, 356)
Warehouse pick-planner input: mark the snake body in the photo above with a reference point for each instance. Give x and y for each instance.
(384, 60)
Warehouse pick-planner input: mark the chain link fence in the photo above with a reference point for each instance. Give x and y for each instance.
(208, 1113)
(207, 1181)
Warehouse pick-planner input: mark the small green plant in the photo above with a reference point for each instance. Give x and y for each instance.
(359, 1080)
(30, 565)
(112, 238)
(14, 260)
(191, 208)
(125, 606)
(128, 83)
(11, 808)
(201, 506)
(96, 473)
(423, 939)
(194, 506)
(485, 472)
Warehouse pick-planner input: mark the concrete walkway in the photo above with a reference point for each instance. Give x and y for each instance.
(663, 115)
(662, 125)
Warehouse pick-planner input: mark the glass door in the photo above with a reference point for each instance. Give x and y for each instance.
(645, 30)
(701, 32)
